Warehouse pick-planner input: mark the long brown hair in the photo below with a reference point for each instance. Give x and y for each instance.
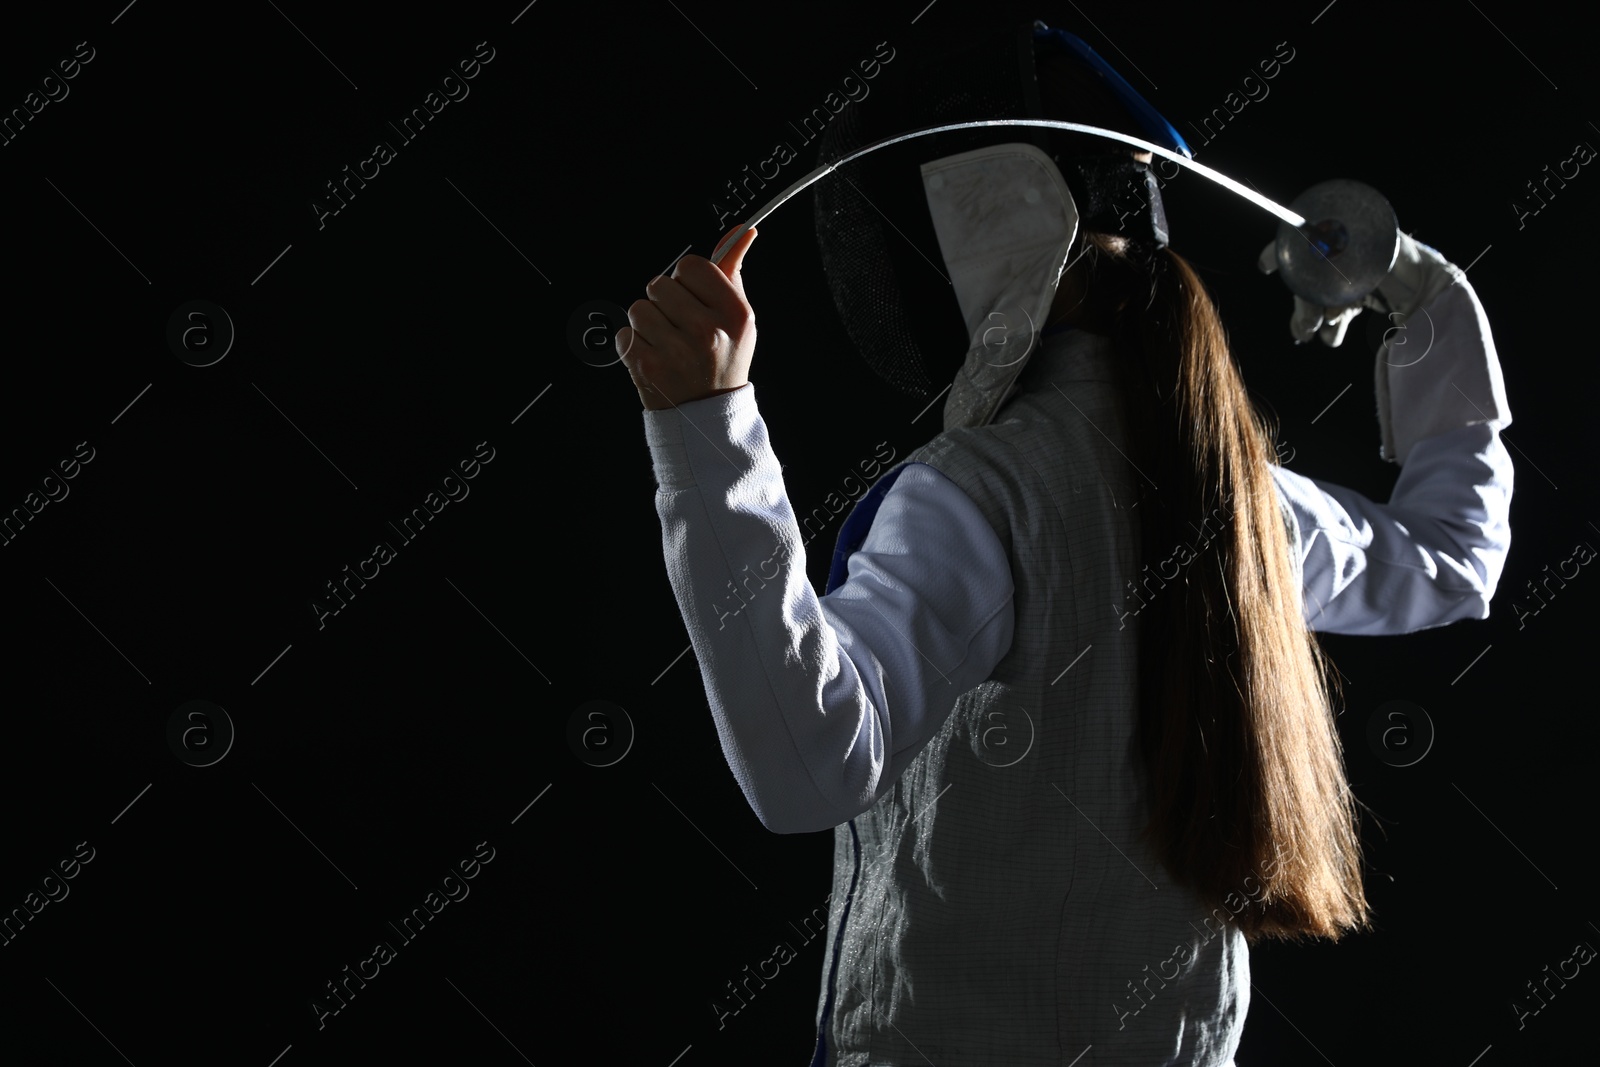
(1248, 800)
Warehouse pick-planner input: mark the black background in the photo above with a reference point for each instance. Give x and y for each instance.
(374, 753)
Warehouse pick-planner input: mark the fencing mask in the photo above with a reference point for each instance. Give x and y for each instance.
(875, 233)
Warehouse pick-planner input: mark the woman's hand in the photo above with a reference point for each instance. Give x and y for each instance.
(694, 335)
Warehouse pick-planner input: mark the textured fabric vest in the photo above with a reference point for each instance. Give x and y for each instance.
(997, 906)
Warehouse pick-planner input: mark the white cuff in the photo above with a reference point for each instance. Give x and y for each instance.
(1437, 371)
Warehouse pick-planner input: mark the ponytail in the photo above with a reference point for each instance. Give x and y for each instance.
(1248, 797)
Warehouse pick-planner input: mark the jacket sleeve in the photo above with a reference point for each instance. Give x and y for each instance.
(820, 702)
(1432, 554)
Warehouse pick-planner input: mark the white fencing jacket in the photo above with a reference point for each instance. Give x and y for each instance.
(959, 706)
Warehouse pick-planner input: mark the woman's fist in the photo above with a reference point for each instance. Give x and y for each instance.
(695, 333)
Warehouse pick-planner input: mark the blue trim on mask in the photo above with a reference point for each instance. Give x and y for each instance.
(1156, 128)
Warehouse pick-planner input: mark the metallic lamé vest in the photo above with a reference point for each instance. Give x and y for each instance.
(996, 906)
